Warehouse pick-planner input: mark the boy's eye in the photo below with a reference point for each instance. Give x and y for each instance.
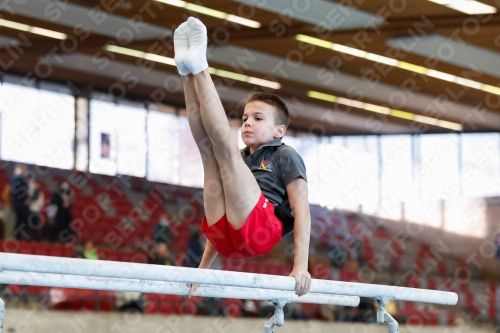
(258, 118)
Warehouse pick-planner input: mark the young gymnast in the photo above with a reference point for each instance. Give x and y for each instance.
(253, 197)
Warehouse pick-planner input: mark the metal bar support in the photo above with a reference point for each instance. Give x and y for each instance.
(383, 317)
(278, 318)
(2, 314)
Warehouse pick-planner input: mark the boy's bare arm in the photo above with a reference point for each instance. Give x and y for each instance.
(208, 257)
(299, 203)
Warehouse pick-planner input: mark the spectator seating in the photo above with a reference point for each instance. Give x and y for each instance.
(112, 220)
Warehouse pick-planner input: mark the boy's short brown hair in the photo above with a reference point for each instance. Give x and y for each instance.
(282, 116)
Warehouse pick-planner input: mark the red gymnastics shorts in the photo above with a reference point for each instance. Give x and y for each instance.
(260, 233)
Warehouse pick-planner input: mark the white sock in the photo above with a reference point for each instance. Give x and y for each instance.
(196, 57)
(181, 47)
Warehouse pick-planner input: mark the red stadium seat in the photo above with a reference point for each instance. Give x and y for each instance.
(26, 248)
(166, 308)
(152, 297)
(78, 299)
(186, 307)
(451, 318)
(9, 245)
(431, 284)
(106, 300)
(323, 272)
(133, 239)
(415, 319)
(173, 298)
(109, 254)
(98, 236)
(130, 256)
(41, 249)
(37, 290)
(86, 234)
(232, 307)
(353, 276)
(251, 267)
(285, 269)
(151, 306)
(271, 269)
(16, 289)
(140, 257)
(413, 281)
(69, 251)
(309, 309)
(56, 250)
(126, 256)
(433, 318)
(183, 243)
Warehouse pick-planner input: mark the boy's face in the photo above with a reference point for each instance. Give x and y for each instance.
(259, 124)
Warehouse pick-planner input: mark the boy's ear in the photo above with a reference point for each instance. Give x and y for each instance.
(280, 131)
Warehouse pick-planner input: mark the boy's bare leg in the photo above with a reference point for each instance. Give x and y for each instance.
(213, 193)
(241, 190)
